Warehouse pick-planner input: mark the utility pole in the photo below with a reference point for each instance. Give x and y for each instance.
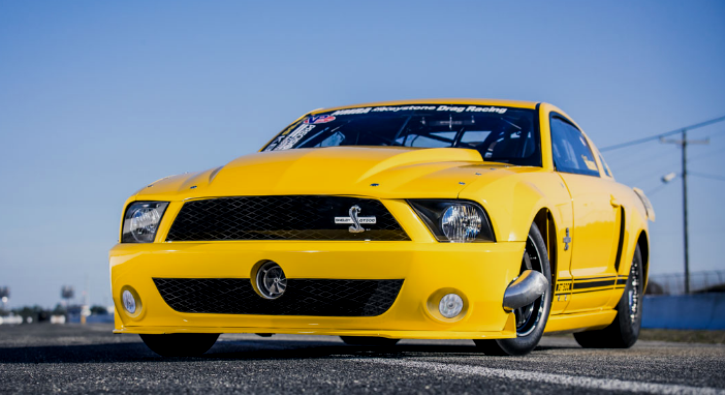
(683, 144)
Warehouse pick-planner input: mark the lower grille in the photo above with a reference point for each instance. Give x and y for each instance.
(342, 298)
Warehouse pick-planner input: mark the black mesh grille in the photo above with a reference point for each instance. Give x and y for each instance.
(342, 298)
(281, 218)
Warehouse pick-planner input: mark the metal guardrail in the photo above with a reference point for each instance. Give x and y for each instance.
(674, 284)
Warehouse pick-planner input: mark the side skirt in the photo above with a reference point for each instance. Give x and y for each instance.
(580, 321)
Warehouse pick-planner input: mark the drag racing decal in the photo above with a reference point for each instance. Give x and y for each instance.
(443, 107)
(353, 111)
(563, 287)
(563, 290)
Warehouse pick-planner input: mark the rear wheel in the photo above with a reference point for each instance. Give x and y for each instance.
(624, 331)
(530, 319)
(369, 341)
(180, 344)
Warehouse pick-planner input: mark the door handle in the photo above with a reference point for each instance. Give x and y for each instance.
(613, 200)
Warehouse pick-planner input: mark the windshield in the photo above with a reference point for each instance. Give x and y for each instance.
(500, 134)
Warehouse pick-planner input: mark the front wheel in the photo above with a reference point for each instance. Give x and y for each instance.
(530, 319)
(180, 344)
(624, 331)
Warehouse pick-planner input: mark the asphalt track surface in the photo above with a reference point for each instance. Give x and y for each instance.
(89, 359)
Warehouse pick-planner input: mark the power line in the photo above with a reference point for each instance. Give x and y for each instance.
(705, 155)
(650, 175)
(657, 137)
(715, 135)
(646, 148)
(634, 161)
(710, 176)
(655, 190)
(623, 175)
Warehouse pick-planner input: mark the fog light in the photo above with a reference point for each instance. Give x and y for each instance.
(129, 303)
(450, 305)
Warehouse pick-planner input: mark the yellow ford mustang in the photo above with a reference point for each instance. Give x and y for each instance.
(488, 220)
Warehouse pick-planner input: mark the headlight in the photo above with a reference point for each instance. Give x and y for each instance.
(456, 221)
(461, 223)
(142, 221)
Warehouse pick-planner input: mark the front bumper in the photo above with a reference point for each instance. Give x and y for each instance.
(479, 272)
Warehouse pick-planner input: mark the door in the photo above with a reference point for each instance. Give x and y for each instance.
(595, 234)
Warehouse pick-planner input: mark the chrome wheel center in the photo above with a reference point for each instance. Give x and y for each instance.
(271, 281)
(633, 295)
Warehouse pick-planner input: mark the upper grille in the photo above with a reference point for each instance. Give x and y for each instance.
(281, 218)
(341, 298)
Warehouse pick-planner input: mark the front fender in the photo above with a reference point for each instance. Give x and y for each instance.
(512, 202)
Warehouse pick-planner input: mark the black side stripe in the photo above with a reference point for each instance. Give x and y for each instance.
(568, 280)
(583, 285)
(594, 284)
(595, 278)
(590, 291)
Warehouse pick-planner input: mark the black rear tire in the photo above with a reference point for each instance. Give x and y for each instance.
(529, 328)
(624, 331)
(180, 344)
(369, 341)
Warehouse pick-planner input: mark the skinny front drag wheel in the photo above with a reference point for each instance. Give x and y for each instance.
(530, 319)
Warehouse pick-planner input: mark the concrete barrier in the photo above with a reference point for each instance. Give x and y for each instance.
(703, 311)
(11, 320)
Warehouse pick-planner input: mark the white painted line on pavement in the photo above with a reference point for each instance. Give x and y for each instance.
(550, 378)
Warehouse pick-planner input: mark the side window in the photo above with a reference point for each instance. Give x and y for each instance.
(570, 149)
(605, 166)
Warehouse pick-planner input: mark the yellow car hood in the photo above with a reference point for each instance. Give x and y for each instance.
(386, 172)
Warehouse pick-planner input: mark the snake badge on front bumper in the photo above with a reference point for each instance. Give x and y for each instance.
(355, 220)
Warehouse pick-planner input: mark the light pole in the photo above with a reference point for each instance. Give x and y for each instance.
(683, 144)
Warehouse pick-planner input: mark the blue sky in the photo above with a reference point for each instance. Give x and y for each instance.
(99, 98)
